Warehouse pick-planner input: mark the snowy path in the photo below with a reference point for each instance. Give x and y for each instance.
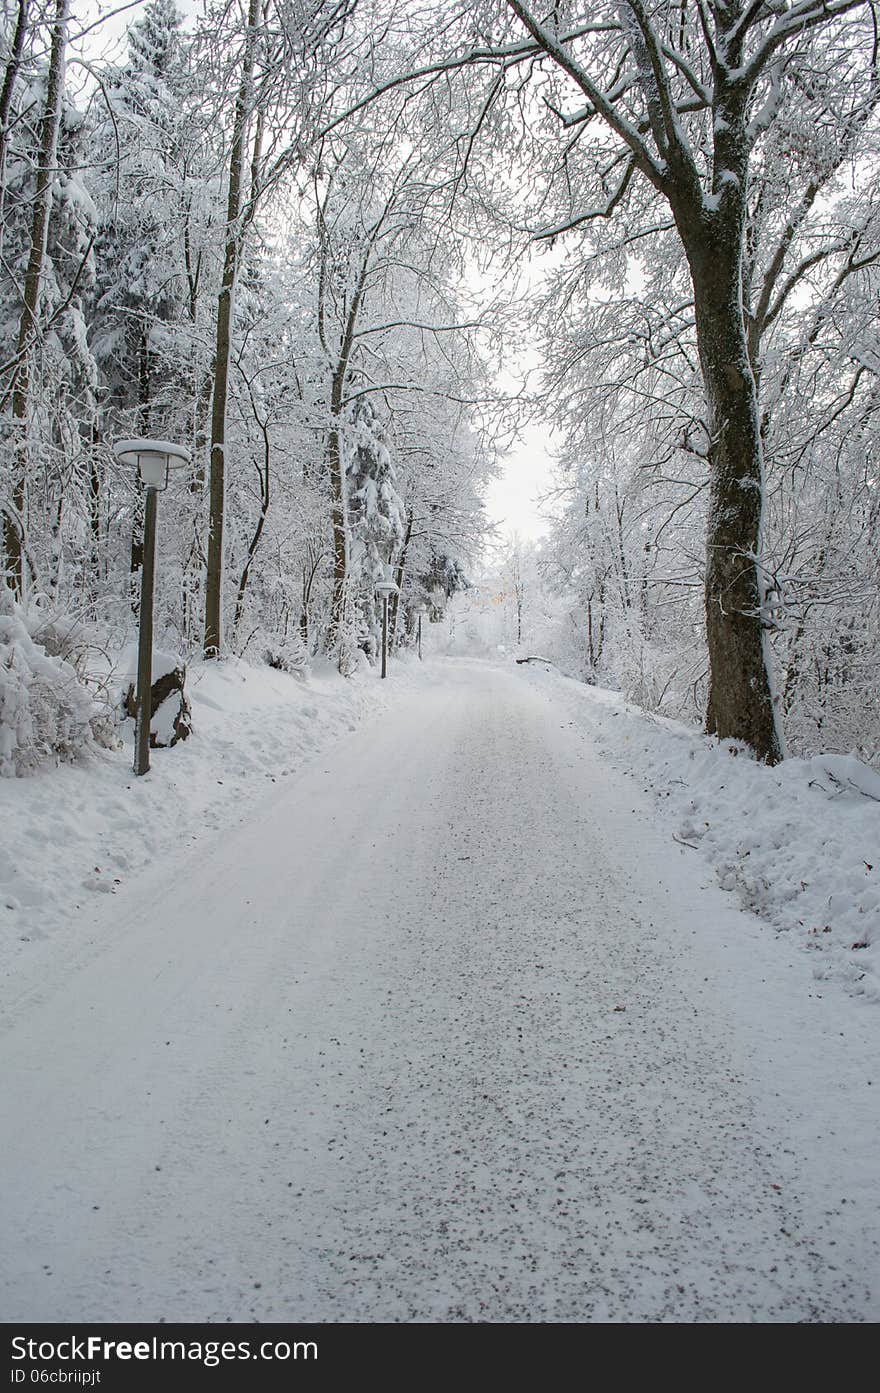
(364, 1059)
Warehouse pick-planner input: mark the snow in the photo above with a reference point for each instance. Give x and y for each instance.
(443, 1026)
(163, 662)
(92, 829)
(45, 712)
(798, 844)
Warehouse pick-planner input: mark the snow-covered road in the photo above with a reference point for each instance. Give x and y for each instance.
(451, 1030)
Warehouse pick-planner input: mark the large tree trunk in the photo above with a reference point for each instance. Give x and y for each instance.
(740, 704)
(28, 329)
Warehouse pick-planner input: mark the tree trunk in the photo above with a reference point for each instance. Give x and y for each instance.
(223, 350)
(339, 525)
(740, 703)
(14, 518)
(13, 66)
(399, 575)
(95, 491)
(258, 530)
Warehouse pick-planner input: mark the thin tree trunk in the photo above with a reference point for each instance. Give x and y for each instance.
(95, 490)
(225, 313)
(399, 574)
(308, 580)
(136, 554)
(144, 390)
(13, 67)
(590, 637)
(14, 522)
(258, 530)
(339, 526)
(335, 453)
(336, 469)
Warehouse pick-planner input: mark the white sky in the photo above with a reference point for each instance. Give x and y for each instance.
(527, 469)
(512, 499)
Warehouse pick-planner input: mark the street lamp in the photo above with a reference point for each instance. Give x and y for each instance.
(154, 460)
(385, 589)
(420, 610)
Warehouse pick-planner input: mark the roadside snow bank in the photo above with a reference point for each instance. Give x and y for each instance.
(77, 832)
(799, 844)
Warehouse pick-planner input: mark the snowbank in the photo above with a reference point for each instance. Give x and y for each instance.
(799, 844)
(77, 832)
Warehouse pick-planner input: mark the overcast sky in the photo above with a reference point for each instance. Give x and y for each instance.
(512, 499)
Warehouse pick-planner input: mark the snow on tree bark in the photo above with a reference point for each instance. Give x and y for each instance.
(14, 518)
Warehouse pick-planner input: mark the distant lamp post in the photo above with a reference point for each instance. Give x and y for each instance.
(154, 460)
(421, 610)
(385, 589)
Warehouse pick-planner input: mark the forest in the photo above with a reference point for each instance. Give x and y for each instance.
(304, 238)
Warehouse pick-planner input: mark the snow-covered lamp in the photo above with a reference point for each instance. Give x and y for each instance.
(385, 589)
(154, 461)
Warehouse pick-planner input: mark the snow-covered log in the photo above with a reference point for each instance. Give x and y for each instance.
(170, 711)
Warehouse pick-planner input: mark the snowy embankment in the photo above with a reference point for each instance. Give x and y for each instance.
(799, 844)
(77, 832)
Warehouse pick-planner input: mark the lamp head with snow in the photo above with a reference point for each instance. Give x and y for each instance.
(154, 459)
(386, 587)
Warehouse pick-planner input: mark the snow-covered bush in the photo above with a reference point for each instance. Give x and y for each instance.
(46, 712)
(290, 655)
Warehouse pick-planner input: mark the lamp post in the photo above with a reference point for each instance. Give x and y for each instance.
(154, 459)
(385, 589)
(420, 610)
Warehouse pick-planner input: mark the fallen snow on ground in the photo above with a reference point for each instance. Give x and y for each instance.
(799, 844)
(448, 1028)
(79, 832)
